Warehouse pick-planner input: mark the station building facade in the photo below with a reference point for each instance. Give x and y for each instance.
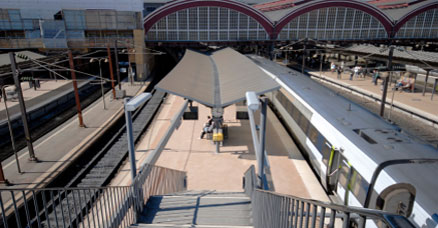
(83, 24)
(292, 20)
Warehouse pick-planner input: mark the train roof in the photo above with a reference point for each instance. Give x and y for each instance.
(367, 130)
(381, 140)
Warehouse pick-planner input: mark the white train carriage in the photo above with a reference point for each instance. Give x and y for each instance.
(345, 144)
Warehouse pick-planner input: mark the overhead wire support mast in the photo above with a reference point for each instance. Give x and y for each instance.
(75, 87)
(11, 131)
(28, 137)
(111, 71)
(116, 54)
(386, 81)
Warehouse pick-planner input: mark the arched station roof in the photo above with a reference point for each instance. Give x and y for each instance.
(273, 21)
(175, 6)
(314, 5)
(403, 20)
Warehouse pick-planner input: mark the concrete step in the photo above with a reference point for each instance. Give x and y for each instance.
(199, 208)
(183, 226)
(209, 193)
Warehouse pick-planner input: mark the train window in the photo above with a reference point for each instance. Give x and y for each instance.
(313, 134)
(359, 186)
(281, 98)
(320, 142)
(304, 124)
(344, 173)
(325, 151)
(296, 115)
(289, 107)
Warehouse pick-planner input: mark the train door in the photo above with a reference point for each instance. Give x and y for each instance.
(333, 168)
(325, 148)
(344, 175)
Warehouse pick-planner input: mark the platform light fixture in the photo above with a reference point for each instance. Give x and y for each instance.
(92, 60)
(254, 104)
(252, 100)
(132, 105)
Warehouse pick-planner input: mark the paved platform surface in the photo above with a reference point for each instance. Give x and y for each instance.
(224, 171)
(33, 97)
(415, 102)
(60, 146)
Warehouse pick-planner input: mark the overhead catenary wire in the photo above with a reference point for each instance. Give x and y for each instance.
(49, 69)
(66, 68)
(425, 63)
(135, 45)
(61, 61)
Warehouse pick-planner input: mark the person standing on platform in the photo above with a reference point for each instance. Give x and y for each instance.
(355, 72)
(339, 71)
(376, 76)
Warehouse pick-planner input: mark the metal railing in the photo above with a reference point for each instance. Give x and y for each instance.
(87, 207)
(271, 209)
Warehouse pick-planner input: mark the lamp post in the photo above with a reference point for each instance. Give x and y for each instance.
(253, 104)
(101, 78)
(11, 133)
(131, 105)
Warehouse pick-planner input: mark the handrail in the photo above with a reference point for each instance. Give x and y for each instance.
(110, 206)
(271, 209)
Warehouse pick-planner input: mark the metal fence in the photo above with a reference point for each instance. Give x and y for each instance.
(87, 207)
(271, 209)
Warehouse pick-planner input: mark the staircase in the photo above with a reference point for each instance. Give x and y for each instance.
(201, 209)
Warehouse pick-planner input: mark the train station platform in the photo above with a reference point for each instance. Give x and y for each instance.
(413, 103)
(58, 148)
(223, 172)
(34, 97)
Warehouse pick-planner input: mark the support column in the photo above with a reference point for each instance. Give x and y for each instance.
(304, 58)
(385, 82)
(130, 136)
(111, 70)
(320, 64)
(425, 81)
(262, 137)
(366, 68)
(116, 54)
(139, 54)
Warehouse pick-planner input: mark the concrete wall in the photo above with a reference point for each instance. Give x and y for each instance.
(139, 54)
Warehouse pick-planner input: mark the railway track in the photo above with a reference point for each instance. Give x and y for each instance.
(99, 170)
(81, 187)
